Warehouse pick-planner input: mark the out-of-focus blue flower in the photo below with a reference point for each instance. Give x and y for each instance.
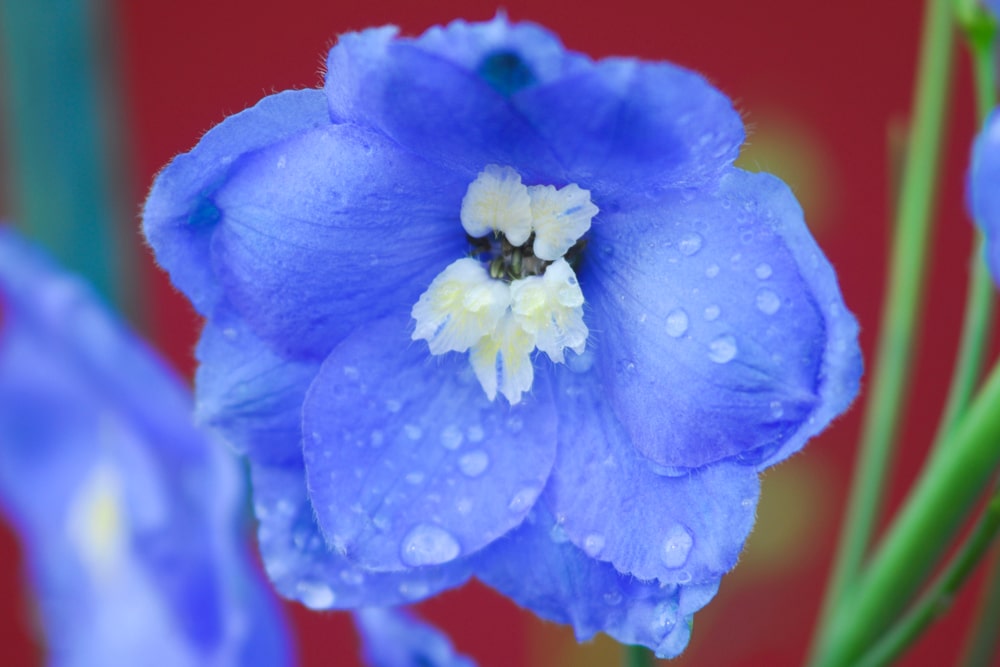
(393, 638)
(485, 306)
(984, 189)
(129, 516)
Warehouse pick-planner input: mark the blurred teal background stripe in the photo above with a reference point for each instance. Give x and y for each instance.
(64, 139)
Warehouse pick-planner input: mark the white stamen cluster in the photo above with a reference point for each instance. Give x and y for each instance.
(500, 322)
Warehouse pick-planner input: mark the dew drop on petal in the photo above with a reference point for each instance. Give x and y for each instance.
(677, 322)
(427, 544)
(676, 546)
(683, 577)
(768, 302)
(712, 270)
(451, 437)
(722, 349)
(352, 577)
(413, 432)
(593, 544)
(315, 595)
(393, 405)
(776, 410)
(523, 499)
(475, 433)
(580, 363)
(413, 590)
(415, 477)
(690, 243)
(712, 312)
(664, 619)
(474, 463)
(763, 271)
(464, 506)
(613, 598)
(558, 534)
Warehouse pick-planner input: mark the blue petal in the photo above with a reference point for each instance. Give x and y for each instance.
(540, 569)
(394, 638)
(509, 57)
(181, 214)
(724, 333)
(622, 125)
(330, 229)
(249, 394)
(303, 568)
(408, 462)
(984, 189)
(129, 516)
(682, 529)
(432, 105)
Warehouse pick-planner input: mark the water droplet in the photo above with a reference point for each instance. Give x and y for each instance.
(558, 534)
(415, 477)
(683, 577)
(768, 302)
(712, 312)
(642, 318)
(593, 544)
(747, 502)
(776, 410)
(613, 598)
(763, 271)
(413, 590)
(352, 577)
(474, 463)
(664, 619)
(464, 506)
(351, 372)
(393, 405)
(451, 437)
(690, 243)
(722, 349)
(229, 333)
(677, 322)
(413, 432)
(427, 544)
(377, 438)
(523, 499)
(475, 433)
(282, 161)
(579, 363)
(712, 270)
(315, 595)
(514, 424)
(676, 546)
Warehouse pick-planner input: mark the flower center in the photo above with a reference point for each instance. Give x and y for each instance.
(516, 292)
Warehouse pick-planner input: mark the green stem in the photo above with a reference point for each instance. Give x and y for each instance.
(976, 327)
(64, 140)
(639, 656)
(923, 529)
(979, 29)
(901, 307)
(936, 601)
(981, 644)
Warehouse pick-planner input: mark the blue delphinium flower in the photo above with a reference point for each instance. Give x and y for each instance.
(484, 306)
(129, 516)
(393, 638)
(984, 189)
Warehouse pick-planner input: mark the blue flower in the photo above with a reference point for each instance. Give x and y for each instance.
(393, 638)
(129, 516)
(984, 189)
(484, 306)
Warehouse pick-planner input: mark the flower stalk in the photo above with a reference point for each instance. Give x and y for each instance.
(900, 314)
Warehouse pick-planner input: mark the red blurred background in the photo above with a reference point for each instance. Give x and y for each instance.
(824, 89)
